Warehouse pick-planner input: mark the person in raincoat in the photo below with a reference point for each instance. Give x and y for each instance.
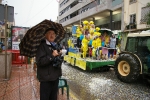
(85, 43)
(105, 39)
(94, 47)
(98, 47)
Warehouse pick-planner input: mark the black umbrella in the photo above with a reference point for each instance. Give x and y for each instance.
(33, 37)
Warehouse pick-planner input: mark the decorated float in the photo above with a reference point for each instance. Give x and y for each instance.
(91, 47)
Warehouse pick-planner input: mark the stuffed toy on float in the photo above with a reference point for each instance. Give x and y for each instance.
(97, 33)
(92, 26)
(84, 47)
(86, 25)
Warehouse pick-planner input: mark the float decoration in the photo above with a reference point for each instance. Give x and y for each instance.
(95, 47)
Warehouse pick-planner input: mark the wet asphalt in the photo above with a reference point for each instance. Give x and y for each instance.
(97, 85)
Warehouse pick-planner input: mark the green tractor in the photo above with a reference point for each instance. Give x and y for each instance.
(135, 60)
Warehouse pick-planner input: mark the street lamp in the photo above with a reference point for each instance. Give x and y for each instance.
(14, 19)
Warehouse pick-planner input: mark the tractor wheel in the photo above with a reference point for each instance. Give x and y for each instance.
(127, 68)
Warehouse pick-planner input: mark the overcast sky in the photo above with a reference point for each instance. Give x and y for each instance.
(30, 12)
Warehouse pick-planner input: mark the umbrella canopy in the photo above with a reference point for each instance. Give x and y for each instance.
(33, 37)
(108, 31)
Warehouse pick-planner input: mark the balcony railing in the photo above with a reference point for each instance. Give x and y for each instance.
(131, 26)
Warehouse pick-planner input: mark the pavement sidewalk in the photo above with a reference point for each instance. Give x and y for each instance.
(23, 85)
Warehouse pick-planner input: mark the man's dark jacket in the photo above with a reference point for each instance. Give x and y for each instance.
(44, 59)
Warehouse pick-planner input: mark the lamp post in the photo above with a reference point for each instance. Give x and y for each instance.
(14, 19)
(6, 41)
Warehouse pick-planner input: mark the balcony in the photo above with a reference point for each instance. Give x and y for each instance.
(131, 26)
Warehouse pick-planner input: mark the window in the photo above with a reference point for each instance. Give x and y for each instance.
(143, 50)
(2, 33)
(132, 18)
(132, 1)
(144, 14)
(132, 44)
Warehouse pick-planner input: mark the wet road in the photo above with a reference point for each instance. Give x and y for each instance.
(103, 85)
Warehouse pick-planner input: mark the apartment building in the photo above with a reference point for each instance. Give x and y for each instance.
(10, 21)
(135, 15)
(104, 13)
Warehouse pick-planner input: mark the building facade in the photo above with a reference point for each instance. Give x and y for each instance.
(135, 15)
(104, 13)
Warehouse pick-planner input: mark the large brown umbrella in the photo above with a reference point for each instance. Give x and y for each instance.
(33, 37)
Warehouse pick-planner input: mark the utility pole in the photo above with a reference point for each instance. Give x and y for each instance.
(6, 41)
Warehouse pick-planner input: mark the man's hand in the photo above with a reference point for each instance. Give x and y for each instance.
(55, 53)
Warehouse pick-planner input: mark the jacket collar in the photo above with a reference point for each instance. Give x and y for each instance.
(47, 42)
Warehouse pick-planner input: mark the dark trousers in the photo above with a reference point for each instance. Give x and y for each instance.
(48, 90)
(110, 52)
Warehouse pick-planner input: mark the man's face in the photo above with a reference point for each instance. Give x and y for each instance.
(50, 36)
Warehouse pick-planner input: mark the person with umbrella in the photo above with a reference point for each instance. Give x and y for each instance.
(48, 66)
(41, 41)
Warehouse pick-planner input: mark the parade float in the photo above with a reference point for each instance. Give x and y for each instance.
(91, 48)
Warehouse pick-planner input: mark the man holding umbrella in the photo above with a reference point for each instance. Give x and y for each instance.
(48, 66)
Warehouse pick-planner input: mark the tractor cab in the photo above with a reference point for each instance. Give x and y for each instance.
(139, 44)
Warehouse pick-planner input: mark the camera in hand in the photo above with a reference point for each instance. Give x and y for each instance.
(57, 61)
